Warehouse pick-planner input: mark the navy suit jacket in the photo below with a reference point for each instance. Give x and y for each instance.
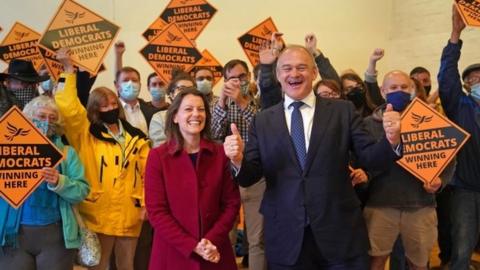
(323, 191)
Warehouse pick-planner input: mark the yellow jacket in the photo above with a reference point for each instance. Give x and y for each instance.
(114, 204)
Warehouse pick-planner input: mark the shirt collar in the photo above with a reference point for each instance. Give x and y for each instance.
(308, 100)
(127, 106)
(120, 131)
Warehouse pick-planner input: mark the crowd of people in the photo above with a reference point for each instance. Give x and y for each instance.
(308, 153)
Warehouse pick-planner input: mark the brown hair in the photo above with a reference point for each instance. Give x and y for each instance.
(126, 70)
(178, 75)
(98, 98)
(354, 77)
(233, 63)
(172, 129)
(332, 84)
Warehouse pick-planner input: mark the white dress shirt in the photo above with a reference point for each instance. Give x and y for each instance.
(307, 111)
(135, 116)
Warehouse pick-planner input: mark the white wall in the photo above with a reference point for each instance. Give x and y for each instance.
(419, 30)
(412, 31)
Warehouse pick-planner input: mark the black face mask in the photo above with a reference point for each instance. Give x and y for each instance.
(110, 117)
(24, 95)
(427, 89)
(357, 96)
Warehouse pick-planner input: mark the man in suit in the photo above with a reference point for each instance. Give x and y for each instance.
(301, 145)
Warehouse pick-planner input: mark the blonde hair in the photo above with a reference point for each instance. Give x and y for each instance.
(44, 102)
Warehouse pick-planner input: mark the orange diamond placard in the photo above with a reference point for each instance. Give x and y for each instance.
(54, 67)
(470, 11)
(190, 15)
(211, 63)
(154, 29)
(24, 152)
(430, 141)
(169, 49)
(21, 43)
(87, 34)
(256, 38)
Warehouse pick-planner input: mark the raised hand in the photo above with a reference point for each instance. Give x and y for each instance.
(377, 54)
(311, 44)
(63, 56)
(119, 47)
(233, 146)
(269, 52)
(231, 89)
(392, 125)
(457, 25)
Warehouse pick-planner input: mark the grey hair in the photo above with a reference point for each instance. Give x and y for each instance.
(43, 101)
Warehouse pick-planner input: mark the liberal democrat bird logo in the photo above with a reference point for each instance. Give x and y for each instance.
(15, 132)
(172, 37)
(19, 35)
(420, 119)
(266, 31)
(73, 16)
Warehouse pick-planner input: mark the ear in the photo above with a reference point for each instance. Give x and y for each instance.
(117, 85)
(175, 119)
(383, 91)
(315, 73)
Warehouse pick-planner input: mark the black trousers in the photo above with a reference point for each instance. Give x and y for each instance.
(311, 259)
(40, 248)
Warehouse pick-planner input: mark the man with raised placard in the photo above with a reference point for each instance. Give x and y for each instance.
(463, 109)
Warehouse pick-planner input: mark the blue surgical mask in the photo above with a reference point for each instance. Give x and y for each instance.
(204, 86)
(475, 91)
(244, 87)
(42, 125)
(47, 85)
(157, 93)
(129, 90)
(399, 100)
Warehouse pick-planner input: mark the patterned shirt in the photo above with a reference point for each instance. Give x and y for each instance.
(223, 117)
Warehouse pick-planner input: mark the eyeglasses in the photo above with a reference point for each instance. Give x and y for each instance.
(241, 77)
(328, 95)
(201, 78)
(472, 79)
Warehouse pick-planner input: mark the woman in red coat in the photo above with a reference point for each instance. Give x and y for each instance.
(191, 198)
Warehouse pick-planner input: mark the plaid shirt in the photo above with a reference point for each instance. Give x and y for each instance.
(223, 117)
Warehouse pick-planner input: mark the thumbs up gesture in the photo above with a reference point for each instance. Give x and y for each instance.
(233, 147)
(391, 125)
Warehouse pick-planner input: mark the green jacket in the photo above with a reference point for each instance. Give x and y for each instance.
(72, 188)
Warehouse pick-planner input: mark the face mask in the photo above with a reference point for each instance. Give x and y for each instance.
(427, 89)
(475, 91)
(399, 100)
(357, 96)
(157, 93)
(48, 129)
(110, 117)
(129, 90)
(244, 87)
(204, 86)
(47, 85)
(24, 95)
